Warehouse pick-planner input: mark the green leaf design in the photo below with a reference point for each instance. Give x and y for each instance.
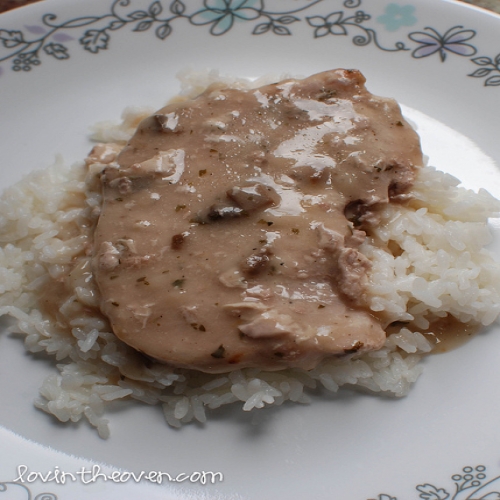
(177, 8)
(281, 30)
(430, 492)
(163, 31)
(95, 40)
(482, 61)
(11, 39)
(261, 28)
(56, 50)
(288, 19)
(116, 25)
(481, 72)
(155, 9)
(138, 15)
(143, 26)
(492, 81)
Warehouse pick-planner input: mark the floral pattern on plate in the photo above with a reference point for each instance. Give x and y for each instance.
(471, 483)
(52, 37)
(22, 492)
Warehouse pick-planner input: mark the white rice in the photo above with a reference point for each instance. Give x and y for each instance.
(440, 268)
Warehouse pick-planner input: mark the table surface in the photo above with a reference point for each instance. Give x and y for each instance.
(486, 4)
(12, 4)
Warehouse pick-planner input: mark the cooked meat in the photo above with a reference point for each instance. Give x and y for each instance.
(230, 230)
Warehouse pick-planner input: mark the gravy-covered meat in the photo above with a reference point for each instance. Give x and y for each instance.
(231, 224)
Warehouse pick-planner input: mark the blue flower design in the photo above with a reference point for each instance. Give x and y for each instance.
(221, 14)
(453, 41)
(397, 16)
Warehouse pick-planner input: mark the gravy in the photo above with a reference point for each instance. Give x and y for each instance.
(230, 226)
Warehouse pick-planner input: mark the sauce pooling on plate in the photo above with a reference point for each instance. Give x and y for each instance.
(230, 229)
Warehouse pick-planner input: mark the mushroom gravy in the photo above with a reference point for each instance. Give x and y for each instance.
(231, 223)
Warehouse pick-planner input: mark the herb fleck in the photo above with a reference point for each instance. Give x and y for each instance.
(269, 223)
(177, 241)
(219, 353)
(196, 326)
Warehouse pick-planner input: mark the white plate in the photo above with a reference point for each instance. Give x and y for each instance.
(88, 60)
